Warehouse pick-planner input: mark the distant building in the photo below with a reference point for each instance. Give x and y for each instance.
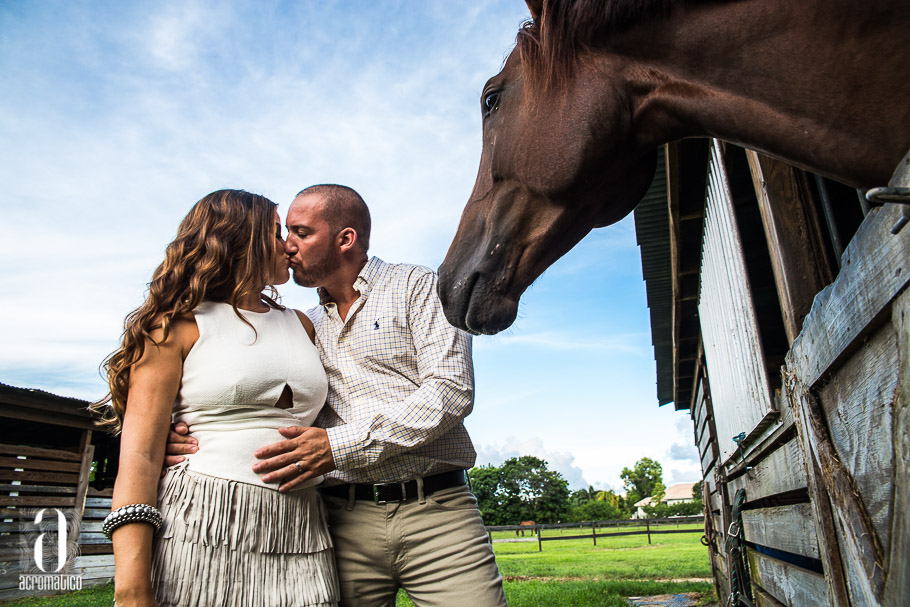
(675, 494)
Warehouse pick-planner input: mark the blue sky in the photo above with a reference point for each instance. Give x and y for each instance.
(116, 117)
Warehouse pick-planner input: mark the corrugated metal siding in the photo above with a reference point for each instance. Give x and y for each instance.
(652, 233)
(739, 384)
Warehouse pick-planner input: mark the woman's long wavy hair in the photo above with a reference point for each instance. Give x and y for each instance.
(224, 250)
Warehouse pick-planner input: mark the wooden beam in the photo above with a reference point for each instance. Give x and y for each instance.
(59, 454)
(39, 464)
(787, 583)
(876, 268)
(88, 451)
(788, 528)
(799, 259)
(897, 587)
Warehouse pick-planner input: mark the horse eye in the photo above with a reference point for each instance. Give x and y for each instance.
(490, 101)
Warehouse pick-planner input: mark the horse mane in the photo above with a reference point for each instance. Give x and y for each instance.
(548, 46)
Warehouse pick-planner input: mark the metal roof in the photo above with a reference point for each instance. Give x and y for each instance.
(652, 233)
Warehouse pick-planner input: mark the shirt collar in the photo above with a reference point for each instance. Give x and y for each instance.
(364, 282)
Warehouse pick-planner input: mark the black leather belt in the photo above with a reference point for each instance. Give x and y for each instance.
(396, 492)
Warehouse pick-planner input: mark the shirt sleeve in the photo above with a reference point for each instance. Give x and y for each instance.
(443, 398)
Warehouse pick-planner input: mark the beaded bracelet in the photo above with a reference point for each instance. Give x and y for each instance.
(134, 513)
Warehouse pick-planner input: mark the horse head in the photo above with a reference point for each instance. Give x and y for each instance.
(557, 161)
(572, 121)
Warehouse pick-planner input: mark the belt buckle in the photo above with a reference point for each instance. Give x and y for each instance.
(376, 499)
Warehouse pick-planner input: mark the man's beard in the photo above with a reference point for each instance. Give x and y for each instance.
(314, 273)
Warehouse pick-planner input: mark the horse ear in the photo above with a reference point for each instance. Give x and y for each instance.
(536, 7)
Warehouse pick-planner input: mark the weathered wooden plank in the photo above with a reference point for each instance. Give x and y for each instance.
(781, 471)
(875, 267)
(8, 488)
(92, 492)
(98, 502)
(856, 399)
(90, 549)
(97, 573)
(788, 528)
(799, 259)
(32, 476)
(58, 454)
(85, 470)
(846, 537)
(86, 539)
(763, 599)
(96, 560)
(787, 583)
(36, 501)
(89, 526)
(710, 456)
(897, 586)
(39, 464)
(47, 417)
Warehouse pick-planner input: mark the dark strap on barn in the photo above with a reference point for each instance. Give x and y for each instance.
(740, 581)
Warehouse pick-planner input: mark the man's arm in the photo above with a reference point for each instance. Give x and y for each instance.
(445, 395)
(443, 399)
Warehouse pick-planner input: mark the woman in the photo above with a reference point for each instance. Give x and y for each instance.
(210, 349)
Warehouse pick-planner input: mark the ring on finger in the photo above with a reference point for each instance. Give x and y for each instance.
(299, 467)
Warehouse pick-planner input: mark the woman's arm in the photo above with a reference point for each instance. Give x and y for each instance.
(154, 382)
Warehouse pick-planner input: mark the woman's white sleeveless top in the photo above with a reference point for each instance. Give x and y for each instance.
(232, 379)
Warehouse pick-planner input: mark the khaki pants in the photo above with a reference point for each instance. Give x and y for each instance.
(435, 548)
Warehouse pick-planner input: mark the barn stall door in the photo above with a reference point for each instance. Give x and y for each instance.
(741, 394)
(849, 378)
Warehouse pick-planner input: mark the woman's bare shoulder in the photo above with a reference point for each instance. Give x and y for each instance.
(307, 325)
(183, 332)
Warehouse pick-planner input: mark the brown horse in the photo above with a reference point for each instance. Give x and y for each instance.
(529, 525)
(594, 87)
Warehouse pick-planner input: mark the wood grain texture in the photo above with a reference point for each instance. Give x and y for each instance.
(856, 400)
(787, 528)
(798, 257)
(897, 587)
(781, 471)
(875, 267)
(787, 583)
(57, 454)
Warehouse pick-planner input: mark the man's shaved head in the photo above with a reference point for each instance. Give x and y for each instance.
(343, 208)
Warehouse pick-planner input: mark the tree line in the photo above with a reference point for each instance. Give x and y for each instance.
(525, 489)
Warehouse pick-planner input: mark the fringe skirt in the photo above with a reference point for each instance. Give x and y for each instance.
(226, 544)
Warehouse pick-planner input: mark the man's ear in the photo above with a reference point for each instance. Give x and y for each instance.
(346, 239)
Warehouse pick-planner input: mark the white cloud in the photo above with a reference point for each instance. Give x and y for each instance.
(561, 461)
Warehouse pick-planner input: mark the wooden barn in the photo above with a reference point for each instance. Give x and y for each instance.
(52, 457)
(781, 321)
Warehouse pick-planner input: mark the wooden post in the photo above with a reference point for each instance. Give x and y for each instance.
(594, 531)
(539, 541)
(87, 451)
(648, 527)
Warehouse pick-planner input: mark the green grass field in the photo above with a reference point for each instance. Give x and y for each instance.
(567, 573)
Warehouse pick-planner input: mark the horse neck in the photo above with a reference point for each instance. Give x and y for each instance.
(820, 84)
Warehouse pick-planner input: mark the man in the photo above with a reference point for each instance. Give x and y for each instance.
(391, 438)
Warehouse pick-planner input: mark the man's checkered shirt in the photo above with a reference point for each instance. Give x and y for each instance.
(401, 379)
